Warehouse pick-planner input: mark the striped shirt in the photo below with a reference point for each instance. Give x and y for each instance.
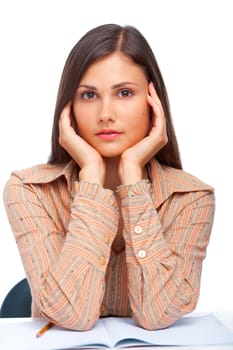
(81, 266)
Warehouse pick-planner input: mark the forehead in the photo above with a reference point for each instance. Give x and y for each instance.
(116, 66)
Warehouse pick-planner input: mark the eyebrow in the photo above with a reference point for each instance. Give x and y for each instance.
(115, 86)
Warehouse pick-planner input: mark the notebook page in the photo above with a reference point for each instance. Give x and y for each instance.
(202, 330)
(22, 336)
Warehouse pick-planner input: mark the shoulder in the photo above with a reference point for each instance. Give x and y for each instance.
(42, 173)
(34, 174)
(25, 179)
(167, 181)
(181, 180)
(190, 191)
(18, 181)
(170, 180)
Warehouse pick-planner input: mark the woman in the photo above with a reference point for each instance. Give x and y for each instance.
(112, 225)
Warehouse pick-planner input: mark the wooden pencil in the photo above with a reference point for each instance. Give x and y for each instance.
(44, 329)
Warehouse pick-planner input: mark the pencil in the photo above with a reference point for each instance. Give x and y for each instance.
(44, 329)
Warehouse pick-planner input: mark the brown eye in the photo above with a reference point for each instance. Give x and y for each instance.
(125, 93)
(88, 95)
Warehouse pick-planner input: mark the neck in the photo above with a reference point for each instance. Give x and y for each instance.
(112, 179)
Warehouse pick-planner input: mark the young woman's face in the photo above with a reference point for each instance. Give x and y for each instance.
(110, 105)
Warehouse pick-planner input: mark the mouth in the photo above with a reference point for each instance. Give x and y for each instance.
(108, 134)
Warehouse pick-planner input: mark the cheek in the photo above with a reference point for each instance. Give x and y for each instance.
(80, 126)
(140, 120)
(137, 107)
(81, 117)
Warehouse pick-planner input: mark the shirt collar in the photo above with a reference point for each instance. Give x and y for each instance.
(167, 180)
(46, 173)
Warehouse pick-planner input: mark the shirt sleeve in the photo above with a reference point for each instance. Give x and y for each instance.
(164, 252)
(66, 270)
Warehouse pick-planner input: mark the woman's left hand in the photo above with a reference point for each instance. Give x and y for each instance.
(134, 158)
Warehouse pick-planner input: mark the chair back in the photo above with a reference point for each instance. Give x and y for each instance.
(17, 303)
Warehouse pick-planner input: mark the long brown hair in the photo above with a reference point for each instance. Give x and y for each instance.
(95, 44)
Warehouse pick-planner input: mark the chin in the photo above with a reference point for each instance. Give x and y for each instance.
(110, 155)
(110, 151)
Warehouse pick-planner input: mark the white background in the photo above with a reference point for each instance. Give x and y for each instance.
(192, 40)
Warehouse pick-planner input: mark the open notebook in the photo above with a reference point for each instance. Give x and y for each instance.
(116, 332)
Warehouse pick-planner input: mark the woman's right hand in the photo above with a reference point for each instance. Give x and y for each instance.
(92, 165)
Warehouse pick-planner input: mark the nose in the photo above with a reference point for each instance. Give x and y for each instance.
(106, 113)
(107, 118)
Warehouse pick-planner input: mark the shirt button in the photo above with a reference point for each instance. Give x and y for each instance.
(138, 230)
(107, 240)
(102, 260)
(141, 254)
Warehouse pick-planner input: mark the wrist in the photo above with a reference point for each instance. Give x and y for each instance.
(94, 173)
(130, 173)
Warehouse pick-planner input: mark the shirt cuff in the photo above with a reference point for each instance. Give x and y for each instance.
(139, 188)
(94, 191)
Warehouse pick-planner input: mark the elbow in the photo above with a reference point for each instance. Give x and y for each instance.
(77, 324)
(73, 321)
(75, 312)
(152, 325)
(166, 318)
(160, 311)
(68, 316)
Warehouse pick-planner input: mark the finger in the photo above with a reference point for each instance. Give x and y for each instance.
(65, 117)
(66, 110)
(155, 102)
(157, 111)
(152, 92)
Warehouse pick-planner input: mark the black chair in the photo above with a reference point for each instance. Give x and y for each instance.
(17, 303)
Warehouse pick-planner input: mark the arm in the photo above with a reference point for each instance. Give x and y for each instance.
(66, 266)
(164, 260)
(65, 269)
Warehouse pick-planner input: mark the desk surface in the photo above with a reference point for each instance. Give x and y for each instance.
(225, 317)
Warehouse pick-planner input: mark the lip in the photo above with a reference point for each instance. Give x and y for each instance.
(108, 134)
